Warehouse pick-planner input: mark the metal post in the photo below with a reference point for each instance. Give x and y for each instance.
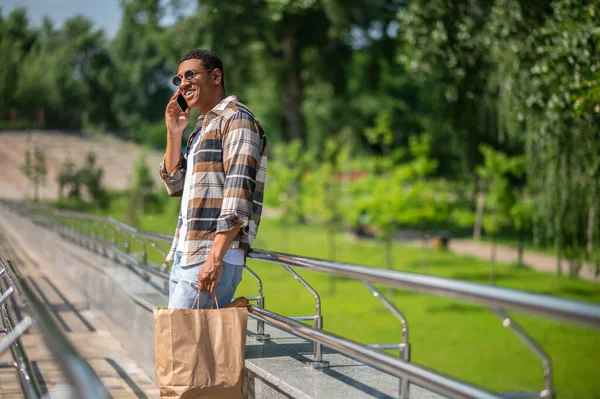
(318, 361)
(405, 346)
(14, 334)
(547, 392)
(260, 303)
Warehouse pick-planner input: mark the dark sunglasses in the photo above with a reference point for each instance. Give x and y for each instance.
(188, 75)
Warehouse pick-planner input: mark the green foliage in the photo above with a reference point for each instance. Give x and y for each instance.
(90, 176)
(141, 66)
(75, 65)
(323, 198)
(502, 207)
(549, 85)
(522, 213)
(35, 170)
(153, 135)
(70, 177)
(381, 133)
(73, 204)
(444, 45)
(142, 198)
(500, 196)
(400, 194)
(287, 167)
(65, 177)
(27, 167)
(520, 77)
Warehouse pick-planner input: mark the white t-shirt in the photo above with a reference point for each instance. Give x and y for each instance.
(235, 256)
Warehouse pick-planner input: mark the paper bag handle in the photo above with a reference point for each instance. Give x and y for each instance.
(198, 301)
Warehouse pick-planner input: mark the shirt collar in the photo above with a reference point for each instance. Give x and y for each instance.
(220, 107)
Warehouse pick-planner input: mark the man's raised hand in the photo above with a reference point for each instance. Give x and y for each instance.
(175, 119)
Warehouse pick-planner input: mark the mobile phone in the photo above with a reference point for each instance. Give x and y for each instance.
(182, 103)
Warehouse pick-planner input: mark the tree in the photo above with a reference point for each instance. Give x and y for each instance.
(549, 82)
(269, 35)
(399, 191)
(287, 169)
(39, 171)
(322, 189)
(500, 198)
(65, 177)
(377, 196)
(141, 65)
(444, 45)
(522, 218)
(91, 177)
(35, 170)
(16, 40)
(142, 198)
(427, 198)
(27, 167)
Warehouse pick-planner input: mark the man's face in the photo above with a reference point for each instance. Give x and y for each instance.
(202, 84)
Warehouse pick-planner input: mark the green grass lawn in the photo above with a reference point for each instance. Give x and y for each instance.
(456, 338)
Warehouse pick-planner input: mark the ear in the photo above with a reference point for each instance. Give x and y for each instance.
(217, 76)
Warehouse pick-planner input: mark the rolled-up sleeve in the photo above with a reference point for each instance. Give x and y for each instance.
(174, 181)
(241, 141)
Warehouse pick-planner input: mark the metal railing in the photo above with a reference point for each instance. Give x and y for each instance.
(84, 230)
(12, 342)
(79, 374)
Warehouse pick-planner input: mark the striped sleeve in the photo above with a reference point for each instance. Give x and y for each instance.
(241, 142)
(174, 181)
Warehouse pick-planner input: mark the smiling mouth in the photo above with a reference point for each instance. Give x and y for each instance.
(189, 93)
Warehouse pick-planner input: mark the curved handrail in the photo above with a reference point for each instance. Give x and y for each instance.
(77, 370)
(507, 298)
(380, 360)
(29, 384)
(499, 299)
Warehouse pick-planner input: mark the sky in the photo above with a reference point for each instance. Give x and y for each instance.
(105, 14)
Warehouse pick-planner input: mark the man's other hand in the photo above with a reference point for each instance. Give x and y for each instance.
(209, 275)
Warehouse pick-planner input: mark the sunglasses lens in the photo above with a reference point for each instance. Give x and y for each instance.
(189, 75)
(176, 81)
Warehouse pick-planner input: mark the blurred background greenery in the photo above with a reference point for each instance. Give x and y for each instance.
(481, 114)
(386, 119)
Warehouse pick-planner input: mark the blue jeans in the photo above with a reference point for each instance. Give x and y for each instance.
(183, 285)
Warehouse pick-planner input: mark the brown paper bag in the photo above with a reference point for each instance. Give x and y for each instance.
(200, 352)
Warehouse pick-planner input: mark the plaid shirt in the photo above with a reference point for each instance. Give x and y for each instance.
(227, 184)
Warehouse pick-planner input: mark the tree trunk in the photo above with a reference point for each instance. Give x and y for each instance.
(283, 235)
(331, 255)
(36, 190)
(575, 267)
(388, 259)
(520, 248)
(479, 216)
(388, 252)
(423, 252)
(558, 248)
(291, 90)
(493, 262)
(590, 231)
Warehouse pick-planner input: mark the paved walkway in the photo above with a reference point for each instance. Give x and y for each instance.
(84, 327)
(535, 260)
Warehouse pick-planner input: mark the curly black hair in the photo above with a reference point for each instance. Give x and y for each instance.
(209, 59)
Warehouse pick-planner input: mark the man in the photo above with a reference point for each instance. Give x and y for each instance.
(221, 182)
